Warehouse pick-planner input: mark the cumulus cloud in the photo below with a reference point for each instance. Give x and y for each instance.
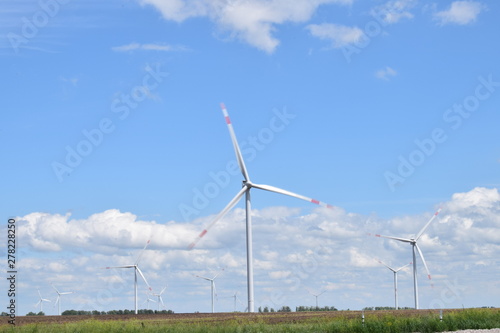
(251, 21)
(338, 35)
(394, 11)
(460, 12)
(322, 249)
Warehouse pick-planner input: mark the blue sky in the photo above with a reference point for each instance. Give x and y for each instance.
(385, 109)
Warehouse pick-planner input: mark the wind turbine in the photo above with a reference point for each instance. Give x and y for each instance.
(317, 295)
(395, 271)
(136, 270)
(415, 248)
(236, 298)
(212, 285)
(247, 186)
(58, 299)
(160, 300)
(41, 301)
(148, 299)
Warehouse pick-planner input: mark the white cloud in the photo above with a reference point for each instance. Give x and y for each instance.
(394, 11)
(460, 12)
(147, 47)
(385, 73)
(252, 21)
(322, 249)
(339, 35)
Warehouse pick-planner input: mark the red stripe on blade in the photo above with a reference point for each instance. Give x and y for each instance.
(228, 121)
(203, 233)
(315, 201)
(222, 106)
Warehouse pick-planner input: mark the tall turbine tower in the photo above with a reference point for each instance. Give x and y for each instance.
(247, 186)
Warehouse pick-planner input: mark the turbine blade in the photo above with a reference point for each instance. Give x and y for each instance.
(400, 268)
(291, 194)
(142, 251)
(428, 223)
(202, 277)
(219, 216)
(57, 291)
(161, 300)
(423, 260)
(39, 293)
(142, 275)
(57, 300)
(406, 240)
(161, 292)
(381, 262)
(127, 266)
(237, 151)
(38, 303)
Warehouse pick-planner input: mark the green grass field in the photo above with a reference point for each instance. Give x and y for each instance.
(375, 321)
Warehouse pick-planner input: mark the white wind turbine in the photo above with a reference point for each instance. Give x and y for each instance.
(415, 248)
(148, 299)
(136, 270)
(317, 295)
(247, 186)
(212, 285)
(41, 300)
(236, 299)
(395, 271)
(58, 299)
(160, 299)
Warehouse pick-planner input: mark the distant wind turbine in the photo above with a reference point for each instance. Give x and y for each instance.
(58, 299)
(212, 285)
(317, 295)
(247, 186)
(415, 248)
(136, 270)
(395, 271)
(160, 299)
(41, 300)
(148, 299)
(236, 299)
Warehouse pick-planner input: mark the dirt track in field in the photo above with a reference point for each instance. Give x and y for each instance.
(268, 318)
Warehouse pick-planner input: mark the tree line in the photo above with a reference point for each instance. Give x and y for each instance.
(298, 309)
(101, 313)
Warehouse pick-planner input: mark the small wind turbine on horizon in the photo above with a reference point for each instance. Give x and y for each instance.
(148, 299)
(415, 248)
(247, 186)
(236, 299)
(395, 271)
(212, 285)
(58, 299)
(160, 299)
(136, 270)
(41, 300)
(317, 295)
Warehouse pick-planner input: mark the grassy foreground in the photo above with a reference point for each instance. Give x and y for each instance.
(374, 322)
